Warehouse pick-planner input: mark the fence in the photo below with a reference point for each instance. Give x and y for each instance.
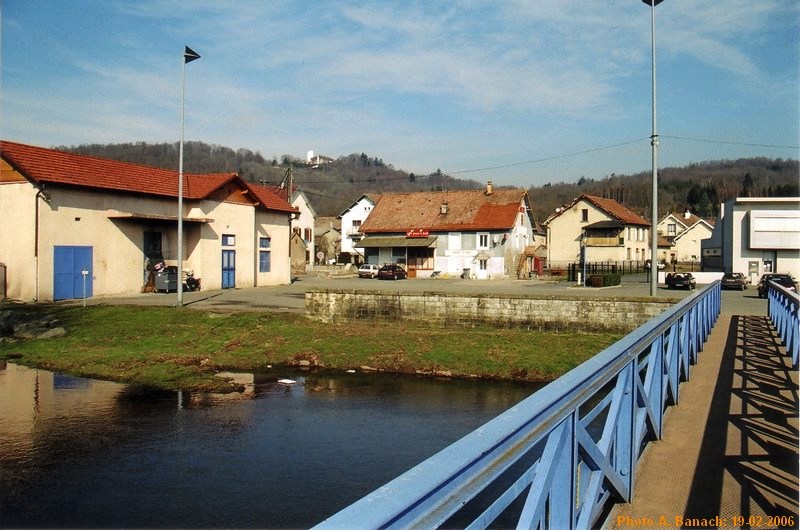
(562, 457)
(619, 267)
(783, 311)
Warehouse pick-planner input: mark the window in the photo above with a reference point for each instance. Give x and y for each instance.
(399, 255)
(264, 254)
(482, 264)
(228, 240)
(356, 224)
(585, 215)
(671, 229)
(483, 240)
(307, 234)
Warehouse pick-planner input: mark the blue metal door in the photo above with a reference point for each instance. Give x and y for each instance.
(72, 272)
(228, 269)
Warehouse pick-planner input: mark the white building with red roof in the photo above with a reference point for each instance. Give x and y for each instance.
(684, 231)
(483, 233)
(62, 214)
(604, 228)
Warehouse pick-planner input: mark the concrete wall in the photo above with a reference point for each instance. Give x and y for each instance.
(542, 312)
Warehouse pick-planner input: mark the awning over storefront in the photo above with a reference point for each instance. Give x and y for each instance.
(154, 217)
(395, 241)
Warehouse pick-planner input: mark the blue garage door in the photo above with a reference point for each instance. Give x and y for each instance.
(68, 278)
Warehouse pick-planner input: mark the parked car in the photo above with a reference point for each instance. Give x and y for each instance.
(734, 280)
(368, 270)
(784, 280)
(392, 272)
(680, 280)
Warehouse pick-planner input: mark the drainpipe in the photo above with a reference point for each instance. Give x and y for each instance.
(40, 193)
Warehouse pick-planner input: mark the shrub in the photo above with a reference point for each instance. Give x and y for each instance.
(604, 280)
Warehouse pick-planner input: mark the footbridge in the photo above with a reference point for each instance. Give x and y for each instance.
(690, 420)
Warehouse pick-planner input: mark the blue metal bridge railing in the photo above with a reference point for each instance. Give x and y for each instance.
(562, 457)
(783, 312)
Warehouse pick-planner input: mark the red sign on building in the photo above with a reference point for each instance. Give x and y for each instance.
(417, 232)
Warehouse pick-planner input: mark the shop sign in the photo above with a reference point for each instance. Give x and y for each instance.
(417, 232)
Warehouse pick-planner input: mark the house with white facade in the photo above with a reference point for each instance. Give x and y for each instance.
(479, 234)
(302, 247)
(755, 235)
(602, 229)
(684, 233)
(75, 225)
(352, 218)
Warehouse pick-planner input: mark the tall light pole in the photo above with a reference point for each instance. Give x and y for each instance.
(654, 144)
(189, 55)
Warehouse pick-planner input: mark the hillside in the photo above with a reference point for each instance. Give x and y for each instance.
(333, 186)
(701, 187)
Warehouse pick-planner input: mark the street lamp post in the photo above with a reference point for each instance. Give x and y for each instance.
(189, 55)
(654, 145)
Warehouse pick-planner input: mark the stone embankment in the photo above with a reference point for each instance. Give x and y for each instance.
(19, 325)
(619, 315)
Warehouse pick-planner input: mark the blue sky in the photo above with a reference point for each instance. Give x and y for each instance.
(520, 87)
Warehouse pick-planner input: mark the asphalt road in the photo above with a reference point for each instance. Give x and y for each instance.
(292, 297)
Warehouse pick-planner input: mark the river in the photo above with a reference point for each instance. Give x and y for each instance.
(85, 453)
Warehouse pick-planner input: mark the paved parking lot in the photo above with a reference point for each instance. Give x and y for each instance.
(291, 297)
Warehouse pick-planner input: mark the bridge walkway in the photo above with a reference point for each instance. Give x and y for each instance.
(730, 447)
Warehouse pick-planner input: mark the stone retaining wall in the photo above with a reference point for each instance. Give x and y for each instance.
(537, 312)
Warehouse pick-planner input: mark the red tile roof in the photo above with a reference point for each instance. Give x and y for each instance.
(41, 165)
(271, 201)
(616, 210)
(466, 211)
(690, 220)
(610, 206)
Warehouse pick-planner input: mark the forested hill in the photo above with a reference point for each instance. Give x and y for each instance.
(333, 186)
(700, 187)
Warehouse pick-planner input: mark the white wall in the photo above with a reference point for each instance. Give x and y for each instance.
(358, 212)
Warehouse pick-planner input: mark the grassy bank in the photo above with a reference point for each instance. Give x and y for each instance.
(183, 348)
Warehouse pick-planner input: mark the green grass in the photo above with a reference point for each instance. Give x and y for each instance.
(183, 348)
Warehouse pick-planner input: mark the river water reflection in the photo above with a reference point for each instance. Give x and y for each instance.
(84, 453)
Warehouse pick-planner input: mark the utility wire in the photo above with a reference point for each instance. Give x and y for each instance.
(556, 157)
(703, 140)
(349, 201)
(549, 158)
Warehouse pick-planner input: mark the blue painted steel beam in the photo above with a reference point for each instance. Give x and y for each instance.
(784, 310)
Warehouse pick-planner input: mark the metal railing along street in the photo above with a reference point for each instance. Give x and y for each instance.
(562, 457)
(783, 309)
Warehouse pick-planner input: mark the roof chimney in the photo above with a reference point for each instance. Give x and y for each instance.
(687, 214)
(489, 188)
(443, 208)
